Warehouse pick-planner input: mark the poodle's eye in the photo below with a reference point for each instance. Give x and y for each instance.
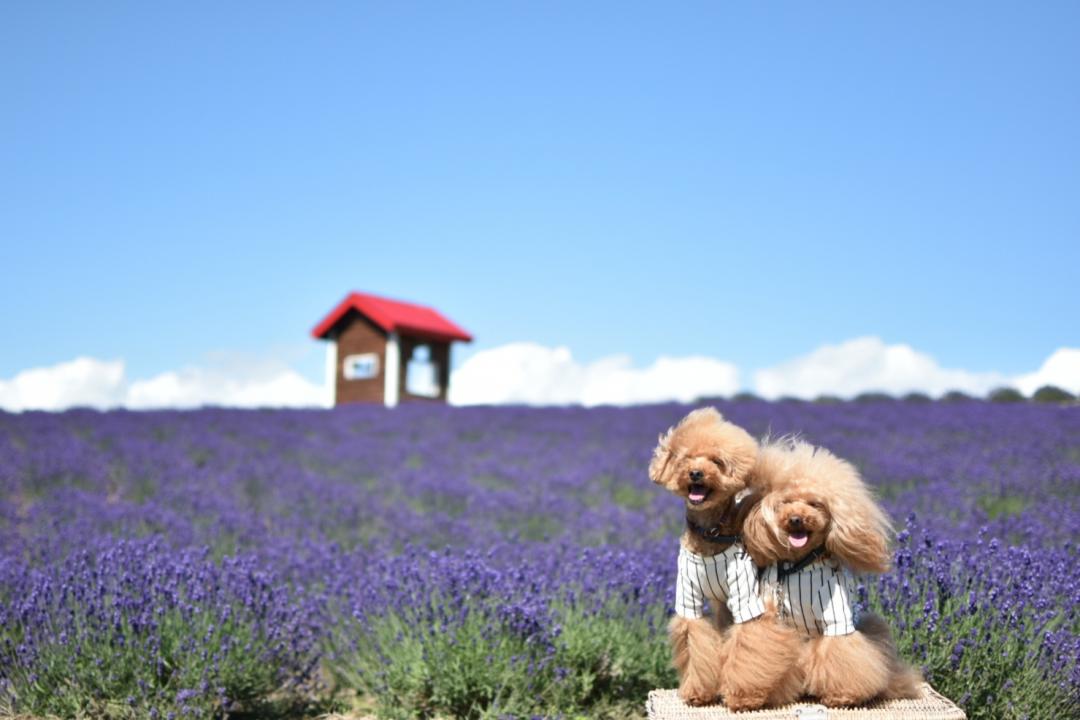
(720, 464)
(817, 505)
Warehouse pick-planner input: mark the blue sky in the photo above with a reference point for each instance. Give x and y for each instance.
(190, 180)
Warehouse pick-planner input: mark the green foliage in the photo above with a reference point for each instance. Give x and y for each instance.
(956, 396)
(1007, 505)
(98, 672)
(828, 399)
(745, 396)
(1006, 395)
(917, 397)
(869, 397)
(610, 658)
(467, 673)
(631, 496)
(602, 663)
(1052, 394)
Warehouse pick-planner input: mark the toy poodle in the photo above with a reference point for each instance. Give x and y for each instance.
(741, 652)
(815, 524)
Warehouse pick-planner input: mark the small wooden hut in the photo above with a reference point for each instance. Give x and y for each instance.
(387, 351)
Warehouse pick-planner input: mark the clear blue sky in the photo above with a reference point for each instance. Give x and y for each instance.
(746, 181)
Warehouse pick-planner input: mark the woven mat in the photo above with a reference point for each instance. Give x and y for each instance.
(666, 705)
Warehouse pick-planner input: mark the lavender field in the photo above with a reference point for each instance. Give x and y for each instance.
(478, 562)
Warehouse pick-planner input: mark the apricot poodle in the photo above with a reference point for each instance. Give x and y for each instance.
(740, 652)
(816, 524)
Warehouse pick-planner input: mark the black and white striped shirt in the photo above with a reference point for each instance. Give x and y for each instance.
(815, 600)
(729, 578)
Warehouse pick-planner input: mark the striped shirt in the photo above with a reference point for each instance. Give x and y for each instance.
(729, 578)
(815, 600)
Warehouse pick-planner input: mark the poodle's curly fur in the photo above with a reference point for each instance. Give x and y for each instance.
(707, 461)
(812, 499)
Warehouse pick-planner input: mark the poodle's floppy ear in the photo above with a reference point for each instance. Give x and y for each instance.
(661, 457)
(758, 537)
(859, 531)
(860, 548)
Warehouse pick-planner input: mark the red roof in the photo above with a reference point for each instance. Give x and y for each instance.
(394, 316)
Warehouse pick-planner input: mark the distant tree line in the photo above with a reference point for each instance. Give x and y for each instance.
(1045, 394)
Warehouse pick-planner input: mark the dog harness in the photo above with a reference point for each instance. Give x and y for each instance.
(814, 598)
(711, 534)
(729, 577)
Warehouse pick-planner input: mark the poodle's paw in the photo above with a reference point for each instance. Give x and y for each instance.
(842, 699)
(743, 700)
(785, 694)
(696, 695)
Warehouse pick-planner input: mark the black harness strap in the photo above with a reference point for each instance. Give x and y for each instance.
(712, 534)
(784, 569)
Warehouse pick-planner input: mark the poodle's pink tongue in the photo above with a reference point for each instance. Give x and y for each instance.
(798, 540)
(697, 496)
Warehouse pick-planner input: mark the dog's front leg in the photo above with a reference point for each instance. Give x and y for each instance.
(761, 664)
(695, 652)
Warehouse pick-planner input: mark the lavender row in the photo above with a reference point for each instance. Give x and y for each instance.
(536, 523)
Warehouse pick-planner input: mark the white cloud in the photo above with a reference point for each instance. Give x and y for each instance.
(537, 375)
(193, 387)
(1061, 369)
(89, 382)
(532, 374)
(82, 382)
(868, 365)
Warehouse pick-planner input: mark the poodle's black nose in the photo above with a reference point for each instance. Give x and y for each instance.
(795, 522)
(697, 475)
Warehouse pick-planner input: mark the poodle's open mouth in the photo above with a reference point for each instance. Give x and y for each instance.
(798, 538)
(697, 493)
